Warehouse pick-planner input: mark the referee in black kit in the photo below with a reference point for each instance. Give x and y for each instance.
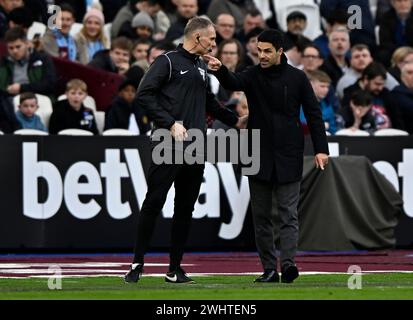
(175, 94)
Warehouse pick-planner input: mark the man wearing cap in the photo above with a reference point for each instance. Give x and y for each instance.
(275, 92)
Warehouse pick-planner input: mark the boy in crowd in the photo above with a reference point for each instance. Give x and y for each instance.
(320, 81)
(358, 115)
(71, 113)
(26, 115)
(124, 114)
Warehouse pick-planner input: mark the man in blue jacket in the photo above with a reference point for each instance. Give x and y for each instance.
(275, 91)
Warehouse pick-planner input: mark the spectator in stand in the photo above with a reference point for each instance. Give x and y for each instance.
(396, 29)
(91, 38)
(253, 19)
(373, 79)
(358, 114)
(71, 113)
(156, 50)
(336, 19)
(6, 6)
(225, 26)
(296, 24)
(230, 52)
(20, 17)
(251, 55)
(140, 50)
(123, 21)
(364, 35)
(186, 9)
(402, 97)
(142, 27)
(58, 42)
(26, 115)
(24, 70)
(320, 81)
(238, 9)
(116, 59)
(360, 59)
(337, 63)
(124, 113)
(312, 58)
(400, 57)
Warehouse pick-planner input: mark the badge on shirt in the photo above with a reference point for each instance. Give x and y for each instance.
(202, 72)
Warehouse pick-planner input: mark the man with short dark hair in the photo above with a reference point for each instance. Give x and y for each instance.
(116, 59)
(275, 92)
(25, 69)
(175, 95)
(253, 19)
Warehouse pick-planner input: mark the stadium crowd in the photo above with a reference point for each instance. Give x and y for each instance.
(360, 66)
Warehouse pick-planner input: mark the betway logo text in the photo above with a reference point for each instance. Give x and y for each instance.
(67, 187)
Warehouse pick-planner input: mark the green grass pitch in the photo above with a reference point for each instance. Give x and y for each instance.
(315, 287)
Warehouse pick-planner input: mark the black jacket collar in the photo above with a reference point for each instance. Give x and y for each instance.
(186, 53)
(275, 69)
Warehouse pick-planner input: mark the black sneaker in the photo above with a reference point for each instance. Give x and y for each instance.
(289, 274)
(178, 276)
(134, 274)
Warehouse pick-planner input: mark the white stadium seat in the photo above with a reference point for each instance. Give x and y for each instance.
(118, 132)
(391, 132)
(354, 133)
(30, 132)
(100, 120)
(75, 132)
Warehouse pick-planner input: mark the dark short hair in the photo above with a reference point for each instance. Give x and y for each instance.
(14, 34)
(163, 45)
(254, 13)
(22, 17)
(360, 47)
(296, 15)
(27, 96)
(339, 16)
(373, 70)
(67, 8)
(141, 41)
(122, 43)
(195, 24)
(275, 37)
(253, 33)
(361, 98)
(320, 54)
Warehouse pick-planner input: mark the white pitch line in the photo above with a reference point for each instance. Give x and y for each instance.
(111, 274)
(80, 265)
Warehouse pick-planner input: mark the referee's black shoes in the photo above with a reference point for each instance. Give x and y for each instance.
(269, 275)
(134, 274)
(178, 276)
(289, 274)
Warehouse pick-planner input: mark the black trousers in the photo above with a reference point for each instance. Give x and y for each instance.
(187, 179)
(274, 210)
